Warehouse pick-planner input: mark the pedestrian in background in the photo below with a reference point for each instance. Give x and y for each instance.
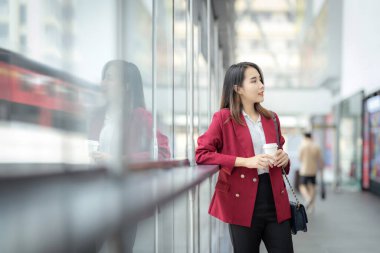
(311, 161)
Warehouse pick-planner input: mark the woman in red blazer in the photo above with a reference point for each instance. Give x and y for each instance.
(125, 77)
(250, 193)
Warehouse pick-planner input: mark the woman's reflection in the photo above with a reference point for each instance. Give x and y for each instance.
(125, 77)
(122, 77)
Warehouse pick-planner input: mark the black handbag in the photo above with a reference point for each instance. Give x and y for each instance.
(299, 219)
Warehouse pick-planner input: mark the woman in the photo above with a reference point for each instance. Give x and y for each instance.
(124, 77)
(121, 76)
(250, 193)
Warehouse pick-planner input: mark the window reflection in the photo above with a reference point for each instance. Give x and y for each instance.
(55, 41)
(122, 77)
(37, 100)
(54, 109)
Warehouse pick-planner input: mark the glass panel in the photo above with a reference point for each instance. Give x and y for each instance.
(202, 101)
(128, 85)
(144, 242)
(373, 141)
(166, 229)
(350, 141)
(4, 7)
(204, 217)
(203, 97)
(77, 88)
(134, 73)
(164, 64)
(198, 103)
(51, 76)
(180, 79)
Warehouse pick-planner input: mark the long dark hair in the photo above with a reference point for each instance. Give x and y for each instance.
(230, 99)
(132, 82)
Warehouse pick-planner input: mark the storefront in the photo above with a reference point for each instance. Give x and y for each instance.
(348, 159)
(324, 133)
(371, 143)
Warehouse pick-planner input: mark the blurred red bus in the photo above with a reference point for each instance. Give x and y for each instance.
(35, 93)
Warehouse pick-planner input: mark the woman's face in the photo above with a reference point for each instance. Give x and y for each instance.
(112, 82)
(252, 89)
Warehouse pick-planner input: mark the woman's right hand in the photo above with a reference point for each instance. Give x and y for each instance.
(257, 161)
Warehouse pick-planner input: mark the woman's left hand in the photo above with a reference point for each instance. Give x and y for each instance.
(100, 157)
(282, 158)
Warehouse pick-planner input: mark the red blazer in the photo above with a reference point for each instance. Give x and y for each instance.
(235, 191)
(139, 135)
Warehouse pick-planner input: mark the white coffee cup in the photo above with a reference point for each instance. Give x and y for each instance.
(270, 148)
(92, 146)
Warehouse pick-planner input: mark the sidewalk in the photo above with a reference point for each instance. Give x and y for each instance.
(343, 223)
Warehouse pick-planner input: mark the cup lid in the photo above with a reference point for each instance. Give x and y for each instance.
(270, 145)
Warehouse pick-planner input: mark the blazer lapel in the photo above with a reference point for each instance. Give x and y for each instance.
(244, 137)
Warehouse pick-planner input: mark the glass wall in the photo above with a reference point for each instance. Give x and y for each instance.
(134, 84)
(111, 84)
(51, 62)
(371, 140)
(180, 78)
(324, 134)
(350, 142)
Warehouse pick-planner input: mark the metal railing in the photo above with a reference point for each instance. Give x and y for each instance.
(86, 211)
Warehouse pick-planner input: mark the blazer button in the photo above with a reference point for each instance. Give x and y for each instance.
(254, 180)
(282, 192)
(242, 176)
(237, 195)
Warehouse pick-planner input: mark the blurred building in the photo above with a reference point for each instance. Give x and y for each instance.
(39, 29)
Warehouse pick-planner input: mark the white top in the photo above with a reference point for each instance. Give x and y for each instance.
(258, 138)
(107, 136)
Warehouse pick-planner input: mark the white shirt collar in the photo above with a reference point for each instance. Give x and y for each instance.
(247, 116)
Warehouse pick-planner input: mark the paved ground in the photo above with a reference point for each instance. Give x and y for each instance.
(345, 222)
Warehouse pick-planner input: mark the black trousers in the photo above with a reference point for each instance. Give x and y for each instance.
(276, 237)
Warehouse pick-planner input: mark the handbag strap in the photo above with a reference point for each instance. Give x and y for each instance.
(283, 171)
